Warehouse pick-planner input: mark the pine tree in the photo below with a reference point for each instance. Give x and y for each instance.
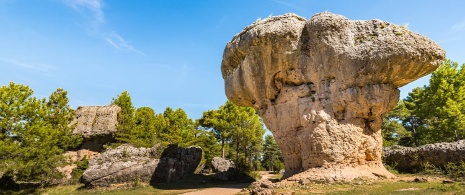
(177, 128)
(272, 156)
(145, 132)
(126, 124)
(33, 133)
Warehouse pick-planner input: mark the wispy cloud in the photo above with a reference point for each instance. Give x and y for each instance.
(32, 66)
(92, 12)
(460, 26)
(119, 43)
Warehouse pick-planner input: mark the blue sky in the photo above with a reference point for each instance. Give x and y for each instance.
(168, 52)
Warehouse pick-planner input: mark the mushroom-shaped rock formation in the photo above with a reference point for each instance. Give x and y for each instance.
(323, 85)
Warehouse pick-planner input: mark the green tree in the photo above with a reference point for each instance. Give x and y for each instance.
(444, 103)
(436, 112)
(217, 121)
(272, 157)
(209, 144)
(33, 133)
(392, 127)
(126, 123)
(145, 130)
(177, 128)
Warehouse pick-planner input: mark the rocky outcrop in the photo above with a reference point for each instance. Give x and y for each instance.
(97, 125)
(176, 163)
(127, 164)
(322, 86)
(407, 159)
(221, 164)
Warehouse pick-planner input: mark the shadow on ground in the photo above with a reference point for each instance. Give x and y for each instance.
(200, 181)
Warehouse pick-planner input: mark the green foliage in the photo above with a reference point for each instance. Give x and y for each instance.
(433, 113)
(272, 157)
(177, 128)
(34, 133)
(126, 123)
(239, 127)
(393, 130)
(145, 131)
(81, 166)
(455, 171)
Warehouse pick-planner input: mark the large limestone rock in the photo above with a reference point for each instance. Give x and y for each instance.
(322, 86)
(126, 164)
(409, 159)
(97, 125)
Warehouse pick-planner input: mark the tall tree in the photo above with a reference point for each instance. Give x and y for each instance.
(444, 103)
(177, 128)
(217, 121)
(146, 124)
(237, 125)
(436, 112)
(126, 122)
(33, 133)
(271, 154)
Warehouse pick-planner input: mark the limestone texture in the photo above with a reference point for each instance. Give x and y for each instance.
(323, 85)
(221, 164)
(97, 125)
(409, 159)
(126, 164)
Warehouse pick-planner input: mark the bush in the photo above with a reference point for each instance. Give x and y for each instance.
(455, 171)
(81, 166)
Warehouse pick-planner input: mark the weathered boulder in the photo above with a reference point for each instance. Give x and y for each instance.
(97, 125)
(409, 159)
(120, 165)
(127, 164)
(221, 164)
(322, 86)
(176, 163)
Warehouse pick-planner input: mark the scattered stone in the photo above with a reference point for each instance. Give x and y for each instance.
(447, 181)
(322, 85)
(420, 180)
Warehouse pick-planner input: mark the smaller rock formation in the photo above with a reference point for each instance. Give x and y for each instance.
(221, 164)
(127, 164)
(409, 159)
(120, 165)
(97, 125)
(176, 163)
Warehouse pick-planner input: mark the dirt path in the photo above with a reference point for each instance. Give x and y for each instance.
(227, 189)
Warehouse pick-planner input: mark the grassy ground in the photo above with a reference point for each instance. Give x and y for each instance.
(402, 185)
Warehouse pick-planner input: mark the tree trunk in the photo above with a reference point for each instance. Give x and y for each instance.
(222, 148)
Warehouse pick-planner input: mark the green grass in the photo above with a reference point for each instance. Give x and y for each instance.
(384, 187)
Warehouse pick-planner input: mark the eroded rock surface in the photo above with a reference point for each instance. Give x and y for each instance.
(322, 86)
(221, 164)
(97, 125)
(126, 164)
(409, 159)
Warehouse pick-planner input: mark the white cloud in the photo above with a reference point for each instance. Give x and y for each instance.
(94, 6)
(459, 26)
(32, 66)
(119, 43)
(92, 10)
